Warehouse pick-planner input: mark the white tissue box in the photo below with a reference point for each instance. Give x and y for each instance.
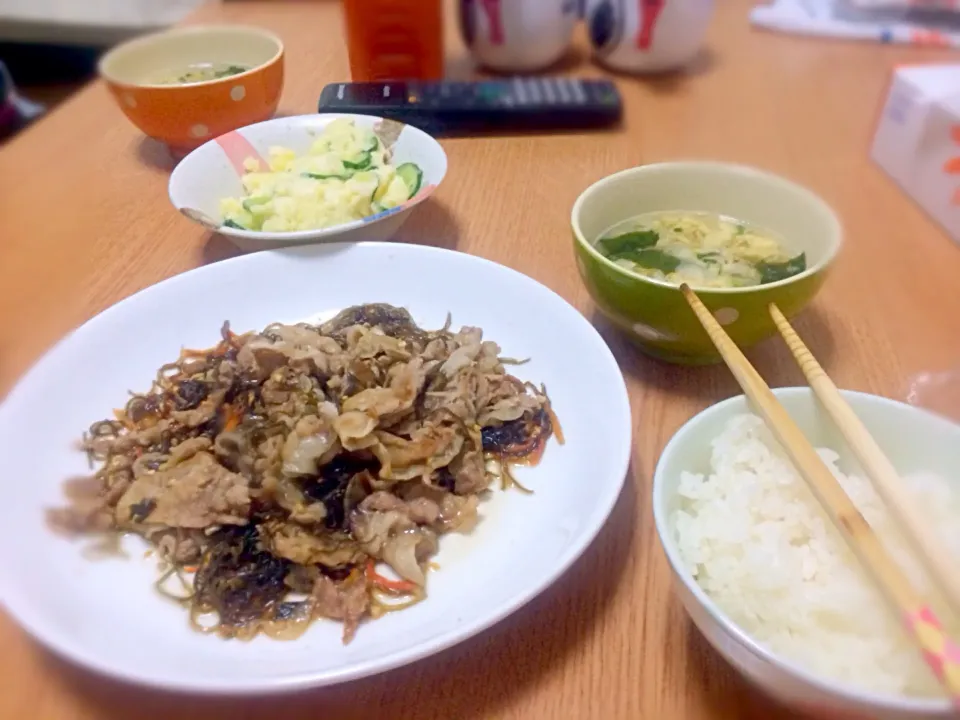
(918, 139)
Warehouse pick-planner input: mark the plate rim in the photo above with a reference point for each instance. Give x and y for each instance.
(292, 682)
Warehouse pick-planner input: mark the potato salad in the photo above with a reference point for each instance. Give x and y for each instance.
(346, 175)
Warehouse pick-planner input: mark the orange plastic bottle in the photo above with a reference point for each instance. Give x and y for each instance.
(394, 39)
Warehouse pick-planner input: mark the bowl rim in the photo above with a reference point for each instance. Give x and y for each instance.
(731, 168)
(317, 233)
(150, 38)
(877, 701)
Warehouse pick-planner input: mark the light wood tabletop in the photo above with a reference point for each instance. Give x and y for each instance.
(85, 222)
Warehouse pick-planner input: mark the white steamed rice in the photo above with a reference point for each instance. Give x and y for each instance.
(759, 545)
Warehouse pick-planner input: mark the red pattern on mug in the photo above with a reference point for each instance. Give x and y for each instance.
(649, 12)
(495, 18)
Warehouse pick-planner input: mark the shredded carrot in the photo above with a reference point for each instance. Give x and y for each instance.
(394, 586)
(233, 417)
(191, 568)
(219, 350)
(555, 422)
(189, 353)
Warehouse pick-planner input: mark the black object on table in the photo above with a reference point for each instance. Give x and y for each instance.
(43, 63)
(484, 106)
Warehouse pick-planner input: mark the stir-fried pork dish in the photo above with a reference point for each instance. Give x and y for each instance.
(274, 472)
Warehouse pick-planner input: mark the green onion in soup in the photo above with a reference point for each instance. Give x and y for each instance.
(197, 73)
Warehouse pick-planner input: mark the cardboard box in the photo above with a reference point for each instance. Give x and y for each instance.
(918, 139)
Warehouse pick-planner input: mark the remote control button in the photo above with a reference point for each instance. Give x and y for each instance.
(533, 87)
(490, 92)
(379, 94)
(579, 95)
(549, 91)
(602, 93)
(520, 92)
(608, 96)
(445, 90)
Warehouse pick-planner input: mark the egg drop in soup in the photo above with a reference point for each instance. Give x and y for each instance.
(702, 249)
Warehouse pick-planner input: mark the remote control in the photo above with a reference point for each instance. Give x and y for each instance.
(484, 106)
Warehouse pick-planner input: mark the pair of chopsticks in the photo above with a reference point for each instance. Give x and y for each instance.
(941, 653)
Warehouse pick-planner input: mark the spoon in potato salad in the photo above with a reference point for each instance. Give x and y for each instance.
(346, 175)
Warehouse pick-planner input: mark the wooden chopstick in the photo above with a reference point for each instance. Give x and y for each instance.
(941, 654)
(876, 465)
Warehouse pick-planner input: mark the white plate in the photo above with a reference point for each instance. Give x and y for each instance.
(210, 173)
(106, 615)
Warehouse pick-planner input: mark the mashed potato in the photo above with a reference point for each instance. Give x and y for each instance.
(346, 175)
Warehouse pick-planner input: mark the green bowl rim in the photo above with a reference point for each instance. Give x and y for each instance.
(733, 168)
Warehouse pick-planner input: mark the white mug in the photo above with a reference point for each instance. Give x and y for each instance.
(647, 35)
(518, 35)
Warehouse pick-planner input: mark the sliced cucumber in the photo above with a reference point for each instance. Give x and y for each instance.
(412, 177)
(233, 224)
(372, 144)
(256, 205)
(358, 161)
(345, 175)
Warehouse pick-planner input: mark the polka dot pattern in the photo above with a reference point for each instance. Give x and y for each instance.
(726, 316)
(238, 93)
(650, 333)
(199, 131)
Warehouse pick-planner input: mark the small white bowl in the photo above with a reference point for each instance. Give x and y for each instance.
(914, 439)
(212, 172)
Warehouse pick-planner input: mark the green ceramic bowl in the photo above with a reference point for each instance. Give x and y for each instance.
(652, 312)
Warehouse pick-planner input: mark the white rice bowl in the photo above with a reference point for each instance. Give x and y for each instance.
(757, 542)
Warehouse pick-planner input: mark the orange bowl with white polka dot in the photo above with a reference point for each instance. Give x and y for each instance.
(185, 116)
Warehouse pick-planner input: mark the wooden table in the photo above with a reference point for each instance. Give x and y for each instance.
(85, 222)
